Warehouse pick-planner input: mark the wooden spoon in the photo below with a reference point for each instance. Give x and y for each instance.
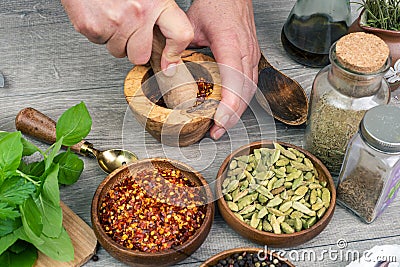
(286, 98)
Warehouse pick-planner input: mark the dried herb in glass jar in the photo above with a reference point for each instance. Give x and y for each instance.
(342, 92)
(370, 177)
(331, 128)
(361, 191)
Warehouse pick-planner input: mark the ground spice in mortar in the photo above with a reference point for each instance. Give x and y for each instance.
(205, 89)
(360, 192)
(331, 128)
(154, 211)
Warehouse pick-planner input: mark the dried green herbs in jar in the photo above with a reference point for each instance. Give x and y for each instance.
(342, 92)
(330, 129)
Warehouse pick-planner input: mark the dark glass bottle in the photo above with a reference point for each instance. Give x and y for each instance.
(312, 27)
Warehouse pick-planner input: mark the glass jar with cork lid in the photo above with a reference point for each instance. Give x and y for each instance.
(341, 94)
(370, 177)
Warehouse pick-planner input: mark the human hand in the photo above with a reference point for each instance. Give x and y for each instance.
(228, 28)
(126, 27)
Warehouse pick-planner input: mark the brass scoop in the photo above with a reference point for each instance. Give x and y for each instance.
(33, 123)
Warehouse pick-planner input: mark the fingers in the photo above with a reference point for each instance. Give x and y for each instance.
(133, 34)
(135, 40)
(126, 27)
(232, 79)
(178, 31)
(139, 46)
(238, 88)
(85, 20)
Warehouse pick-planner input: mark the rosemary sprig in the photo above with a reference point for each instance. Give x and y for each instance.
(382, 14)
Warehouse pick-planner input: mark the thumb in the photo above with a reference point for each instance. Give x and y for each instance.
(178, 32)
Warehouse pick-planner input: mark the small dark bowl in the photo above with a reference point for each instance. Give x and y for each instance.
(267, 238)
(161, 258)
(225, 254)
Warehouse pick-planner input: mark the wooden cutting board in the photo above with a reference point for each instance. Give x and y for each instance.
(83, 240)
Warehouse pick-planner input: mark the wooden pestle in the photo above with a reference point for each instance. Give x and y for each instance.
(34, 123)
(180, 90)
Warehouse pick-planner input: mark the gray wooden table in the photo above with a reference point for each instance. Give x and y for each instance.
(50, 67)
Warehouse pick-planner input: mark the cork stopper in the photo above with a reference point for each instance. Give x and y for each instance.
(362, 52)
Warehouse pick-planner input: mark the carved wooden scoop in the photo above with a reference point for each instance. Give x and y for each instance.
(286, 98)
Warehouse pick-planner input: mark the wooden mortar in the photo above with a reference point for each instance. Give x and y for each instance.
(173, 127)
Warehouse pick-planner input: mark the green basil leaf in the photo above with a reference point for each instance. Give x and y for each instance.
(28, 148)
(7, 212)
(15, 190)
(10, 154)
(5, 259)
(19, 246)
(52, 218)
(20, 233)
(51, 191)
(71, 167)
(8, 226)
(74, 125)
(49, 202)
(24, 259)
(34, 169)
(32, 221)
(53, 152)
(7, 241)
(60, 249)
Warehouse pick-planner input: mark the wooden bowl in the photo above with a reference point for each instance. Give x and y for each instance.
(224, 254)
(161, 258)
(266, 238)
(173, 127)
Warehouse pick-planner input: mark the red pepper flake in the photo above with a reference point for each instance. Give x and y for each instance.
(153, 211)
(205, 90)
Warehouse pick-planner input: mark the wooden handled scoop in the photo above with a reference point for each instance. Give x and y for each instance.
(285, 98)
(180, 90)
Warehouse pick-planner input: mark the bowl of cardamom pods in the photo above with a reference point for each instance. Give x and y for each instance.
(275, 193)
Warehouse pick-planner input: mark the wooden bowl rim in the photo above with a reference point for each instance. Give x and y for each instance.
(264, 143)
(224, 254)
(205, 226)
(151, 110)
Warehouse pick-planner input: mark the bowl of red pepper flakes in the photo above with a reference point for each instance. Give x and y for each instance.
(153, 212)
